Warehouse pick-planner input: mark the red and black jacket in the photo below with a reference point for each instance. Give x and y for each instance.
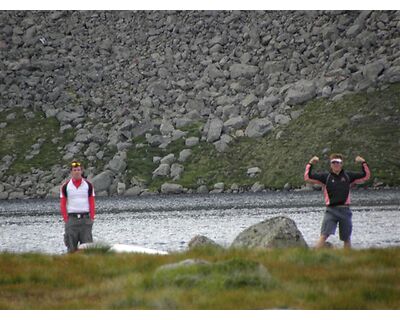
(336, 187)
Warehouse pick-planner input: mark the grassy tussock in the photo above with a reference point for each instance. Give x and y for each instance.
(234, 279)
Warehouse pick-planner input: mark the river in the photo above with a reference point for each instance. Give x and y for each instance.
(169, 222)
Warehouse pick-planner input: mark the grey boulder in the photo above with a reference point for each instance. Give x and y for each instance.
(103, 181)
(277, 232)
(171, 188)
(300, 92)
(258, 127)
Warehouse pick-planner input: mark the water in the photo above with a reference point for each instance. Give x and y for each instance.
(169, 222)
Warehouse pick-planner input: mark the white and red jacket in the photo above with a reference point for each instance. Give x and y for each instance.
(77, 196)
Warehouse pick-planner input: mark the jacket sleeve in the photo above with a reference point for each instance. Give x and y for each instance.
(92, 206)
(360, 177)
(63, 208)
(314, 177)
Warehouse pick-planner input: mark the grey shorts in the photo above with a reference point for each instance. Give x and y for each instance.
(334, 216)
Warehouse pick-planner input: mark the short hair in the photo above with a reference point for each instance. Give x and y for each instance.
(336, 156)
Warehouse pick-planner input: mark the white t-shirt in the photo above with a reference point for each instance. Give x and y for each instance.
(77, 198)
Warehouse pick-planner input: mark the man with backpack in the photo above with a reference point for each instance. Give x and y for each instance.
(336, 186)
(77, 208)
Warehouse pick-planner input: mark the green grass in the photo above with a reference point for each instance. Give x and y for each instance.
(234, 279)
(21, 133)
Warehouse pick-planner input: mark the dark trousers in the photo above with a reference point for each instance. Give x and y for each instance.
(77, 230)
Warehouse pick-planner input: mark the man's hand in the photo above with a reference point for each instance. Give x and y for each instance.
(359, 159)
(314, 160)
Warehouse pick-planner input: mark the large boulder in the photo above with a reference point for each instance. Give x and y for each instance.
(215, 129)
(372, 70)
(258, 127)
(103, 181)
(117, 164)
(300, 92)
(162, 171)
(277, 232)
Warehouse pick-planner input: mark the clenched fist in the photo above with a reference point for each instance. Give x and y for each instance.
(359, 159)
(314, 160)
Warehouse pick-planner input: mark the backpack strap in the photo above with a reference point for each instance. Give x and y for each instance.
(90, 189)
(64, 189)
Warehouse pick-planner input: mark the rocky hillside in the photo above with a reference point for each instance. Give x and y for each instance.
(146, 98)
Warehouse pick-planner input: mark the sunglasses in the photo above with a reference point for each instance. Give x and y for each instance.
(336, 161)
(75, 164)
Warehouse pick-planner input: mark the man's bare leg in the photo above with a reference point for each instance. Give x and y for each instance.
(347, 244)
(321, 242)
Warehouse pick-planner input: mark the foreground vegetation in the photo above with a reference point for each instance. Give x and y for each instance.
(236, 279)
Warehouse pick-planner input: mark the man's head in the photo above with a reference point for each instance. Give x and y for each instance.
(336, 162)
(76, 169)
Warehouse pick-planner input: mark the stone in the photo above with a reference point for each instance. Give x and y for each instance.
(242, 70)
(326, 91)
(103, 181)
(155, 140)
(162, 171)
(191, 142)
(219, 186)
(184, 155)
(67, 117)
(202, 189)
(353, 30)
(215, 129)
(277, 232)
(168, 159)
(221, 146)
(156, 159)
(273, 67)
(121, 188)
(249, 101)
(134, 191)
(171, 188)
(235, 123)
(258, 127)
(183, 122)
(302, 91)
(392, 75)
(282, 119)
(230, 111)
(166, 127)
(4, 195)
(177, 134)
(254, 171)
(199, 241)
(14, 195)
(117, 164)
(176, 171)
(267, 103)
(371, 71)
(180, 264)
(257, 187)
